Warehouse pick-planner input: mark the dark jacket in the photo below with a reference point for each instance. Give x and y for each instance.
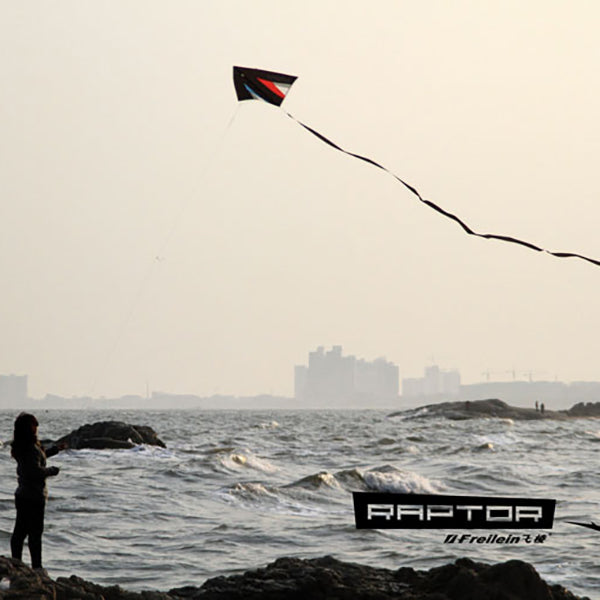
(32, 472)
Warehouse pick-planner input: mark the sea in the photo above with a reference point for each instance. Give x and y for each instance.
(236, 489)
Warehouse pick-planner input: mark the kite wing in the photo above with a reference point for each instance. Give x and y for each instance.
(256, 84)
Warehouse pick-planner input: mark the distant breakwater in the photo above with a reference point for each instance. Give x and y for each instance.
(477, 409)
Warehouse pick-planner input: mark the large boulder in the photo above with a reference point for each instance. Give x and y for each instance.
(327, 578)
(316, 579)
(19, 582)
(111, 434)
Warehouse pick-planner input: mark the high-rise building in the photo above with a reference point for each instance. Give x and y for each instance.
(436, 382)
(331, 377)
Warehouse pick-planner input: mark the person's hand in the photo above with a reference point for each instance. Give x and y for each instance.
(53, 471)
(62, 446)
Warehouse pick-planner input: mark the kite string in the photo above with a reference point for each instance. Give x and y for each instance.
(439, 209)
(185, 202)
(158, 257)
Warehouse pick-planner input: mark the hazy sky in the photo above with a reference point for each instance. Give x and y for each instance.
(117, 146)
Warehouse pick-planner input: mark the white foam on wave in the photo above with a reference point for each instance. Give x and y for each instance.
(143, 452)
(252, 490)
(495, 439)
(317, 481)
(410, 414)
(380, 479)
(391, 479)
(244, 459)
(269, 425)
(486, 446)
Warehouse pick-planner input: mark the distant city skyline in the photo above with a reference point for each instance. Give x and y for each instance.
(332, 377)
(379, 376)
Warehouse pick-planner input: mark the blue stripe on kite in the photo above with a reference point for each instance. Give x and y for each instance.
(253, 93)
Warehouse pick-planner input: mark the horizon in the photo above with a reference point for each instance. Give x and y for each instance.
(576, 392)
(149, 393)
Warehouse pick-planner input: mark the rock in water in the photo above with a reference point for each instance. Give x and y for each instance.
(588, 409)
(111, 434)
(493, 407)
(478, 409)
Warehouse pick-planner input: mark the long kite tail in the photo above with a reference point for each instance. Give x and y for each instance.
(439, 209)
(591, 525)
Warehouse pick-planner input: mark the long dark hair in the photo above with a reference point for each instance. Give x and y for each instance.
(25, 435)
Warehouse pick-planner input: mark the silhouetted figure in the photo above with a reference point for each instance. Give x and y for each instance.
(542, 408)
(537, 406)
(31, 494)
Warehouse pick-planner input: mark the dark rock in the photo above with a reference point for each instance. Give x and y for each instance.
(24, 583)
(585, 409)
(316, 579)
(477, 409)
(111, 434)
(329, 579)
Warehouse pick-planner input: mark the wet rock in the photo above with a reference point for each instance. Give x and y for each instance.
(111, 434)
(477, 409)
(316, 579)
(585, 409)
(19, 582)
(328, 579)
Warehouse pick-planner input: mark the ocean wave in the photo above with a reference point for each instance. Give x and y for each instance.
(386, 478)
(316, 492)
(257, 496)
(268, 425)
(503, 439)
(410, 414)
(352, 480)
(323, 479)
(485, 447)
(252, 490)
(144, 451)
(592, 436)
(234, 459)
(391, 479)
(386, 441)
(127, 513)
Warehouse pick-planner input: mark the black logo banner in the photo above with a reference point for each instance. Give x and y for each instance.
(378, 510)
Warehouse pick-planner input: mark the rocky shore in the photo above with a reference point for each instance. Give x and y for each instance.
(493, 407)
(108, 435)
(316, 579)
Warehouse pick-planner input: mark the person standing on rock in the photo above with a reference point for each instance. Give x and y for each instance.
(31, 494)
